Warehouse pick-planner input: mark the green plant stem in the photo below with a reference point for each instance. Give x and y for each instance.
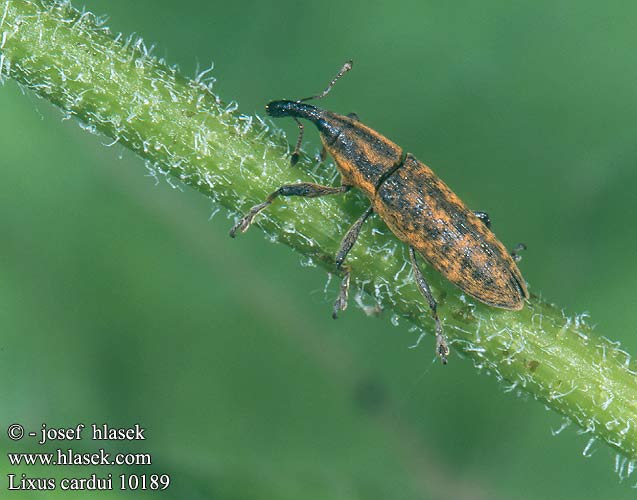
(183, 130)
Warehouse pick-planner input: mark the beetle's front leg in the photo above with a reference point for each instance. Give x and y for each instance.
(306, 189)
(346, 245)
(442, 349)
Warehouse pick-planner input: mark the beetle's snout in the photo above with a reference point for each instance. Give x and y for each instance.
(295, 109)
(278, 109)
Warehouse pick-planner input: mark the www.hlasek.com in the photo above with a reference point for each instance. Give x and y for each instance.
(70, 457)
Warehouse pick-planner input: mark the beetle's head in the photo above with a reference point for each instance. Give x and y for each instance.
(278, 109)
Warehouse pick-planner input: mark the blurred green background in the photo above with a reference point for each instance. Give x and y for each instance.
(122, 302)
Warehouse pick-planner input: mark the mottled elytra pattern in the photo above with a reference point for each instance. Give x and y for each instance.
(423, 212)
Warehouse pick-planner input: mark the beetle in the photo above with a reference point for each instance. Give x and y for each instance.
(414, 203)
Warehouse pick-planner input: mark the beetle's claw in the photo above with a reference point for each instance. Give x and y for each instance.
(245, 222)
(442, 349)
(336, 308)
(340, 304)
(241, 226)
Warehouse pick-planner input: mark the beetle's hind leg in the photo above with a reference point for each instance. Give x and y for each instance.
(442, 349)
(346, 245)
(515, 253)
(306, 189)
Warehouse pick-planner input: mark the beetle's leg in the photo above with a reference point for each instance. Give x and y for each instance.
(346, 245)
(306, 189)
(441, 342)
(484, 217)
(294, 159)
(515, 253)
(323, 154)
(353, 116)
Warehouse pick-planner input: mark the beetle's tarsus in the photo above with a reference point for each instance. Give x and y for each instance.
(442, 349)
(296, 154)
(341, 301)
(305, 189)
(245, 222)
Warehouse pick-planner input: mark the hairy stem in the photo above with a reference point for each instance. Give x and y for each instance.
(184, 131)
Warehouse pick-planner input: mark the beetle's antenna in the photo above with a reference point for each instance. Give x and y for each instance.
(295, 155)
(346, 67)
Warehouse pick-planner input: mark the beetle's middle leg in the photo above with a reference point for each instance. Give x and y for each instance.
(441, 342)
(346, 245)
(306, 189)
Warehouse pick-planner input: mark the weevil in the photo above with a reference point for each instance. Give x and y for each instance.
(413, 202)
